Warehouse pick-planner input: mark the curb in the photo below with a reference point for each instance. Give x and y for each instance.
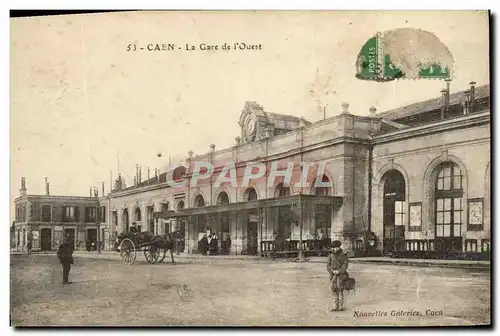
(426, 263)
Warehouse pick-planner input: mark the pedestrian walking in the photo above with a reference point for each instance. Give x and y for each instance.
(65, 255)
(337, 269)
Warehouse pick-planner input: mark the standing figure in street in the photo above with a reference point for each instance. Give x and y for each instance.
(214, 245)
(337, 269)
(203, 245)
(65, 255)
(30, 242)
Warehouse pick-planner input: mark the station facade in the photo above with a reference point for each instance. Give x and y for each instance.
(410, 180)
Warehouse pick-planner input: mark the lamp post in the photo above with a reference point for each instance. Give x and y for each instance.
(301, 250)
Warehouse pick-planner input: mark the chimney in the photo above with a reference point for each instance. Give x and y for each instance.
(238, 140)
(148, 175)
(47, 193)
(158, 176)
(472, 97)
(345, 107)
(102, 185)
(373, 111)
(467, 102)
(444, 105)
(140, 175)
(96, 193)
(23, 191)
(90, 191)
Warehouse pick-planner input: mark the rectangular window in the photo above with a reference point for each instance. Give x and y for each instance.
(102, 214)
(90, 214)
(46, 213)
(449, 217)
(399, 213)
(69, 214)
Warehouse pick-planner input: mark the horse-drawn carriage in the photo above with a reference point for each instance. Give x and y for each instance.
(154, 247)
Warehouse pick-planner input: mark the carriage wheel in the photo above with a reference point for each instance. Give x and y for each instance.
(127, 251)
(152, 254)
(164, 254)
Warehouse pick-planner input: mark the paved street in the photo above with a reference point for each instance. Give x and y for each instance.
(237, 292)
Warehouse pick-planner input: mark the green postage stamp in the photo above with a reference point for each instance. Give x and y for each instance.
(404, 53)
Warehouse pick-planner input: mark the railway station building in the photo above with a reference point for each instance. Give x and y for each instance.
(410, 181)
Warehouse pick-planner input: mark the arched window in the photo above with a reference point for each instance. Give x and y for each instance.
(449, 200)
(164, 207)
(199, 201)
(222, 199)
(138, 214)
(321, 191)
(281, 191)
(180, 205)
(251, 194)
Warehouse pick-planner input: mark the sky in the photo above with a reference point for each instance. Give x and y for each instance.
(81, 103)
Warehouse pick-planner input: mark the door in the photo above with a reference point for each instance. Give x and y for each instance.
(252, 238)
(70, 235)
(45, 239)
(92, 236)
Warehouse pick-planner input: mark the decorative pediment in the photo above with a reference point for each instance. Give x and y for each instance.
(256, 123)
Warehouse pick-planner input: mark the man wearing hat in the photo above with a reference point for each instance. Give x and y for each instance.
(337, 268)
(133, 228)
(65, 255)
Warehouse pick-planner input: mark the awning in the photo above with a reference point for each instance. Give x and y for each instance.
(335, 201)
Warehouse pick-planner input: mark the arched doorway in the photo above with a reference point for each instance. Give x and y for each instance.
(126, 222)
(181, 227)
(45, 239)
(283, 216)
(224, 232)
(394, 211)
(252, 223)
(322, 215)
(200, 222)
(449, 205)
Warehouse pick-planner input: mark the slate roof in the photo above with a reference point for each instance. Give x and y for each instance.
(432, 104)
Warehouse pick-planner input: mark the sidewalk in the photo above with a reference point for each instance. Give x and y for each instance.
(476, 264)
(473, 264)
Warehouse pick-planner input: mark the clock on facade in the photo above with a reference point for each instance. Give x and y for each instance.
(249, 125)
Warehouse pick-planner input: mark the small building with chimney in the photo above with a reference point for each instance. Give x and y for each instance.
(47, 219)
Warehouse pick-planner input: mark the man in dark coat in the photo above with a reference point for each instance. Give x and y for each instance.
(337, 268)
(203, 245)
(65, 255)
(133, 228)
